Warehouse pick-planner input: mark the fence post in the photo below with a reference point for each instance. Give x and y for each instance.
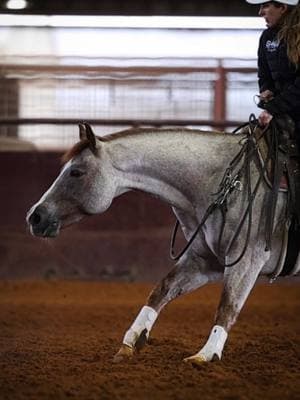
(9, 104)
(220, 97)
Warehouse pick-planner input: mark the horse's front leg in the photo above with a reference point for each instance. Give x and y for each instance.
(238, 282)
(185, 277)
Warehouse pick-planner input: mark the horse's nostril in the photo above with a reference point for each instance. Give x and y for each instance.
(35, 218)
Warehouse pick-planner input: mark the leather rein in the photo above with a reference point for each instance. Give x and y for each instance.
(232, 181)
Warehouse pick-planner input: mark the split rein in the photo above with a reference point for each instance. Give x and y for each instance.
(232, 181)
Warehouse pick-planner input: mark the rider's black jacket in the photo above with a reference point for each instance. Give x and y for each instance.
(278, 74)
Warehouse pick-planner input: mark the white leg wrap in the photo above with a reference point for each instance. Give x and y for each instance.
(214, 344)
(145, 320)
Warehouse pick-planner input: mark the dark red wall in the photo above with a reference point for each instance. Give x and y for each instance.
(129, 242)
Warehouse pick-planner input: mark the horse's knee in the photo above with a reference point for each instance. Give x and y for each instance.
(168, 289)
(162, 295)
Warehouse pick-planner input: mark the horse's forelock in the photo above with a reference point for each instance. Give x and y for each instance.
(75, 150)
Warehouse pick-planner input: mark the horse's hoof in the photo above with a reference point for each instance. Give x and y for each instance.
(196, 360)
(125, 353)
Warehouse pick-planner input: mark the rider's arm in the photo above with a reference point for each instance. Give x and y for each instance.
(265, 80)
(287, 101)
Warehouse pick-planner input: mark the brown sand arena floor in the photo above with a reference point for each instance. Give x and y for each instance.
(57, 340)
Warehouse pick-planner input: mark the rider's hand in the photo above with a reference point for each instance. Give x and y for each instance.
(264, 98)
(266, 95)
(264, 118)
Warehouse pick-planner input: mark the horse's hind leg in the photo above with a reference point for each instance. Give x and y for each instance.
(185, 277)
(238, 282)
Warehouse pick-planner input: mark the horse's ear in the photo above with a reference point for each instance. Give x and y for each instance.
(86, 133)
(82, 132)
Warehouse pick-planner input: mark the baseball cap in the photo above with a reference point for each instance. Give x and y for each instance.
(288, 2)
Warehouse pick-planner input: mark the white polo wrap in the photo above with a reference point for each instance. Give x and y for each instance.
(145, 320)
(215, 343)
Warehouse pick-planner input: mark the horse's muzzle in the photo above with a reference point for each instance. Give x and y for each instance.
(42, 223)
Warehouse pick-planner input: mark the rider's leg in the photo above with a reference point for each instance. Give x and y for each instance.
(297, 173)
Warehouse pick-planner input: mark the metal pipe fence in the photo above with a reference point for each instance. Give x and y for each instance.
(42, 103)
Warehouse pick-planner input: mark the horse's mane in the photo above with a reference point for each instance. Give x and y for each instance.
(83, 144)
(75, 150)
(138, 131)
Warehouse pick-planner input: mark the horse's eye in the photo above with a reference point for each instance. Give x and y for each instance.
(76, 173)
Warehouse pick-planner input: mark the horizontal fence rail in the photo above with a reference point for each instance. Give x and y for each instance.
(117, 122)
(41, 103)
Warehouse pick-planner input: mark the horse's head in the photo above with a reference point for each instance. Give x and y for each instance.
(84, 186)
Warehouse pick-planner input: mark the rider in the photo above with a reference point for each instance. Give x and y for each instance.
(279, 59)
(279, 66)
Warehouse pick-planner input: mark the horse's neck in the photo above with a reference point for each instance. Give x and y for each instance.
(170, 165)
